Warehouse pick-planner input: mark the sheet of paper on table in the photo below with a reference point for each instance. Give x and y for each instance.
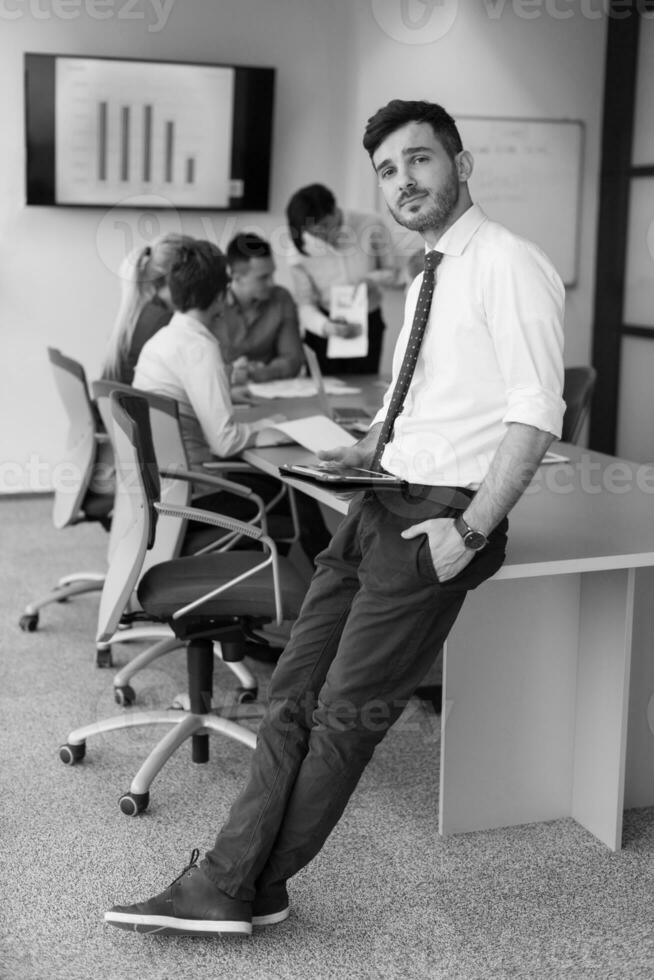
(316, 432)
(349, 303)
(551, 457)
(299, 388)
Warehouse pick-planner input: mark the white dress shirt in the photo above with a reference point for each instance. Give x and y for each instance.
(492, 353)
(183, 361)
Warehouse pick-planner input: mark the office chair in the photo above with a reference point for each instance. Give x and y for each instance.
(175, 538)
(578, 387)
(75, 500)
(206, 598)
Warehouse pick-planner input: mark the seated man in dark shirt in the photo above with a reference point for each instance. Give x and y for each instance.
(258, 331)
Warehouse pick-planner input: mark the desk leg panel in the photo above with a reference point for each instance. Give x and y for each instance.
(509, 705)
(639, 786)
(605, 628)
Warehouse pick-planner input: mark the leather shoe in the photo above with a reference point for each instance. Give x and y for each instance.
(270, 907)
(190, 906)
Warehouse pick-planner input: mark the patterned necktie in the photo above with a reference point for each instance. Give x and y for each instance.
(410, 359)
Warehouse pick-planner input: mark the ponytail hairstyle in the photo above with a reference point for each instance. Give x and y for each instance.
(143, 273)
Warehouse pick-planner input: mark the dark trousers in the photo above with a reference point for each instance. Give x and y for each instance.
(373, 620)
(353, 365)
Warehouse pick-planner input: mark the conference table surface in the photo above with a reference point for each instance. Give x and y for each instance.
(548, 685)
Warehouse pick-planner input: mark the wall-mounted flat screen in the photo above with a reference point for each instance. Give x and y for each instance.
(121, 132)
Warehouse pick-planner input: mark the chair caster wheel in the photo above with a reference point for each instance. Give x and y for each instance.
(181, 702)
(70, 754)
(103, 657)
(29, 622)
(132, 804)
(125, 695)
(245, 694)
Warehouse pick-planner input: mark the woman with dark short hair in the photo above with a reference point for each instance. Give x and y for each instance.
(336, 248)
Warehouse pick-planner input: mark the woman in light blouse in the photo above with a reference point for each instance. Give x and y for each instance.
(335, 248)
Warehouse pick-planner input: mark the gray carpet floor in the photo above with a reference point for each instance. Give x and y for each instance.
(387, 897)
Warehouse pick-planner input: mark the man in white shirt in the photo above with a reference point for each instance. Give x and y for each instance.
(474, 403)
(183, 361)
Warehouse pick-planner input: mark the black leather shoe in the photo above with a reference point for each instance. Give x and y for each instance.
(190, 906)
(270, 907)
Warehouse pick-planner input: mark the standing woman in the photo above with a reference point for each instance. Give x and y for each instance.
(145, 304)
(333, 248)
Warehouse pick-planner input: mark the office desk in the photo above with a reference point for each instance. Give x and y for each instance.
(548, 685)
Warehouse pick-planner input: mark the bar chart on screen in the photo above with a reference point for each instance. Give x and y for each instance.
(126, 129)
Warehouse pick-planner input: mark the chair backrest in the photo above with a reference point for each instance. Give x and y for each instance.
(81, 446)
(170, 454)
(137, 483)
(101, 390)
(578, 386)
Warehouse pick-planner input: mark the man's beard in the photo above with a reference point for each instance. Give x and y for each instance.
(442, 206)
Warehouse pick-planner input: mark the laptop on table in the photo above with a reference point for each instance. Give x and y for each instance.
(345, 415)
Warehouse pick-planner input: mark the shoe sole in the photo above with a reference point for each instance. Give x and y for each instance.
(272, 918)
(164, 925)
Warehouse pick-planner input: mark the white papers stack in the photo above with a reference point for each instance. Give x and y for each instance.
(299, 388)
(349, 303)
(316, 432)
(551, 457)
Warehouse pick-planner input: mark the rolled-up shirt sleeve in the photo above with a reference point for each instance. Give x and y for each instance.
(524, 299)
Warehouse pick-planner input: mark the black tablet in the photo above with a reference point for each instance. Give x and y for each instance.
(352, 476)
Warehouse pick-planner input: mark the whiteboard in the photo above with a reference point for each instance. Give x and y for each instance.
(527, 175)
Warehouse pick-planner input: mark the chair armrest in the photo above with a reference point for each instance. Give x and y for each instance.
(214, 519)
(196, 476)
(193, 476)
(237, 466)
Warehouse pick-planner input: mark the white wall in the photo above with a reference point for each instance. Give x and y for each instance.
(58, 283)
(489, 58)
(337, 62)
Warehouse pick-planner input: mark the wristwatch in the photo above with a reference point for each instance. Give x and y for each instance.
(475, 540)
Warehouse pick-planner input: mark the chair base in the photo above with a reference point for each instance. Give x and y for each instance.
(184, 725)
(67, 587)
(195, 724)
(123, 692)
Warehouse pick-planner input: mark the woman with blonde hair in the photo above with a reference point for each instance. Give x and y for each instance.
(145, 304)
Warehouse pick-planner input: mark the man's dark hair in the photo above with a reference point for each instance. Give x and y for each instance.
(198, 276)
(398, 113)
(307, 206)
(247, 246)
